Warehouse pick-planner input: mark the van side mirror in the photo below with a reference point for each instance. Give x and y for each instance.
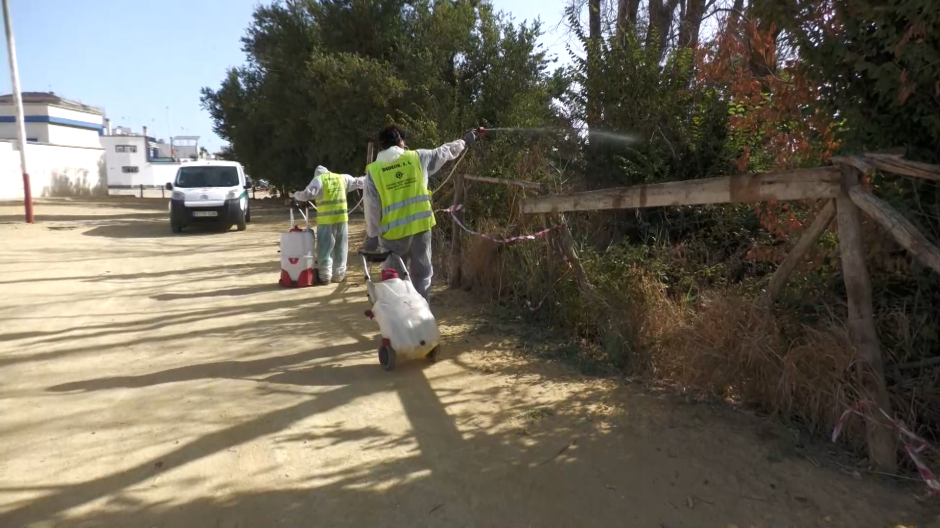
(169, 186)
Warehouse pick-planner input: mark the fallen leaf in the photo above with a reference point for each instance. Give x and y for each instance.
(690, 502)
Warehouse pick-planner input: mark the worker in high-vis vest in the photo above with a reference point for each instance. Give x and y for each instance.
(328, 190)
(399, 217)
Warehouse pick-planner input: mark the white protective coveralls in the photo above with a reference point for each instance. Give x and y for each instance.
(332, 239)
(415, 250)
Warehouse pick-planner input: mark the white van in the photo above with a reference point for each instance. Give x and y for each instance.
(209, 191)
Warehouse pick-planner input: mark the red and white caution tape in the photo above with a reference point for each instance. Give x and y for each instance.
(508, 241)
(913, 444)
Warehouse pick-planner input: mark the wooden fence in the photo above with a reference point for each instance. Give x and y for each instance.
(838, 183)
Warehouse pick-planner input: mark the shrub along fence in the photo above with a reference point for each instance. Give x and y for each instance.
(839, 184)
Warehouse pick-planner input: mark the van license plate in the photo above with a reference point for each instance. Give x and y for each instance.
(205, 213)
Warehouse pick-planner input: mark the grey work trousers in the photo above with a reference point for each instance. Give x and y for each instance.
(415, 251)
(332, 248)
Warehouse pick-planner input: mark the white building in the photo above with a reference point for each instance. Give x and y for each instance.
(64, 154)
(185, 147)
(53, 120)
(135, 159)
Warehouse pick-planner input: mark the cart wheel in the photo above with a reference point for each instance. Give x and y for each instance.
(387, 357)
(433, 354)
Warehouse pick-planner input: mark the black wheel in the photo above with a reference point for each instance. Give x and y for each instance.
(248, 215)
(433, 354)
(242, 223)
(176, 228)
(387, 357)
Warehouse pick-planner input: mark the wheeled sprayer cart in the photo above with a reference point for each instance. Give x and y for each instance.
(298, 253)
(408, 328)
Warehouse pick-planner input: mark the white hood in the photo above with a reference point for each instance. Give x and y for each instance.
(390, 154)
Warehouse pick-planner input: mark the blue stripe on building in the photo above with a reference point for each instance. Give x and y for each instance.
(56, 121)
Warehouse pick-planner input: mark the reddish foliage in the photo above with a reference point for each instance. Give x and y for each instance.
(773, 109)
(777, 98)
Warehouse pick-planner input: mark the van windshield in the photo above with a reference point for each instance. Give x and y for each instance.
(216, 176)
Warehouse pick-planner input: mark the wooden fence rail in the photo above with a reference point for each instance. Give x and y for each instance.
(803, 184)
(504, 181)
(838, 183)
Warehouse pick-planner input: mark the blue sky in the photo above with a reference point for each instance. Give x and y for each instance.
(144, 62)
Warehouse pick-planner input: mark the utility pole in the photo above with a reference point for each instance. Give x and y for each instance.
(18, 103)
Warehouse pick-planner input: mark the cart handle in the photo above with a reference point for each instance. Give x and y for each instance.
(385, 255)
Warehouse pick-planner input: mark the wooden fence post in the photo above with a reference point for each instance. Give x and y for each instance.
(455, 259)
(869, 368)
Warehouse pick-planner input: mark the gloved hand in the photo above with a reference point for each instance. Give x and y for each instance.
(302, 196)
(372, 245)
(470, 138)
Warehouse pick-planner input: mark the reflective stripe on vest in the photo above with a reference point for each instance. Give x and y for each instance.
(406, 202)
(332, 208)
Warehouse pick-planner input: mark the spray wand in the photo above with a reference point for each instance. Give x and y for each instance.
(480, 131)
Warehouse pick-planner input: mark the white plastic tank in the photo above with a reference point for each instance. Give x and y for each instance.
(405, 318)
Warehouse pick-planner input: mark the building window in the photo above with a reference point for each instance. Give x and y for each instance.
(126, 148)
(128, 169)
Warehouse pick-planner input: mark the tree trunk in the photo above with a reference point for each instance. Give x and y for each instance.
(762, 56)
(736, 11)
(593, 78)
(661, 14)
(691, 23)
(627, 11)
(593, 56)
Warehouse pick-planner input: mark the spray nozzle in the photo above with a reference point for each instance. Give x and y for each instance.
(481, 131)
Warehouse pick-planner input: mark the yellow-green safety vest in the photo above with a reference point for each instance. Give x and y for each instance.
(406, 202)
(332, 208)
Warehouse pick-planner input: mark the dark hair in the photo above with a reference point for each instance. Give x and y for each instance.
(390, 136)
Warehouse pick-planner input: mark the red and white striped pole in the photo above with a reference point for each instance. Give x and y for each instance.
(18, 102)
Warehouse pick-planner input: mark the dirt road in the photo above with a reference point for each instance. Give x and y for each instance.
(151, 380)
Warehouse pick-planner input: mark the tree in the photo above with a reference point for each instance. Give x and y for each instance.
(320, 80)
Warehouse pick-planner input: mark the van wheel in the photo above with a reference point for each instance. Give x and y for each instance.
(248, 216)
(177, 229)
(241, 225)
(387, 357)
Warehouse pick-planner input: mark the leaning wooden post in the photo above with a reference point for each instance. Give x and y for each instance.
(882, 447)
(802, 247)
(903, 231)
(566, 244)
(455, 258)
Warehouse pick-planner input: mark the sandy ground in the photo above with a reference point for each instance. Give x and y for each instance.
(152, 380)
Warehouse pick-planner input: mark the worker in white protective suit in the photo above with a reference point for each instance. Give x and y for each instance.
(328, 190)
(399, 216)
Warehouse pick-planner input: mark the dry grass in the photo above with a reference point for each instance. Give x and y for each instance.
(736, 349)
